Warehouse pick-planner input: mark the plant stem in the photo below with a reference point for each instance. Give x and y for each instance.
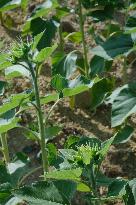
(1, 18)
(61, 38)
(5, 148)
(93, 186)
(83, 38)
(41, 124)
(125, 70)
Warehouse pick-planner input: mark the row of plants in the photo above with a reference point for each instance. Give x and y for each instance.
(76, 167)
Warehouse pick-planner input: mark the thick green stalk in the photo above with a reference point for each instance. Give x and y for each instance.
(41, 124)
(125, 71)
(83, 38)
(125, 58)
(61, 38)
(5, 150)
(1, 18)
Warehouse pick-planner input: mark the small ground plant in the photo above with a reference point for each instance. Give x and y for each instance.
(77, 167)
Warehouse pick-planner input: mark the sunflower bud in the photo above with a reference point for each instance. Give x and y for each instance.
(20, 51)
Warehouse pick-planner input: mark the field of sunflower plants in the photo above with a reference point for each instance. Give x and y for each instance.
(83, 71)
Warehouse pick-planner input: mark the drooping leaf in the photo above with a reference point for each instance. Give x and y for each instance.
(109, 49)
(98, 65)
(4, 62)
(10, 4)
(100, 90)
(59, 83)
(49, 98)
(54, 192)
(75, 37)
(73, 174)
(102, 14)
(103, 180)
(117, 188)
(8, 121)
(17, 170)
(13, 102)
(5, 192)
(38, 25)
(14, 201)
(44, 8)
(65, 65)
(78, 85)
(128, 196)
(44, 54)
(16, 71)
(123, 135)
(52, 131)
(124, 105)
(132, 185)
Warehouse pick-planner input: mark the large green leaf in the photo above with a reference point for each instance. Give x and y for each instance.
(5, 192)
(132, 185)
(69, 65)
(100, 90)
(17, 170)
(128, 197)
(38, 25)
(73, 174)
(117, 188)
(11, 4)
(99, 65)
(4, 63)
(8, 121)
(52, 131)
(59, 83)
(53, 192)
(114, 46)
(124, 105)
(64, 65)
(13, 102)
(14, 201)
(75, 37)
(49, 98)
(16, 71)
(44, 54)
(44, 8)
(123, 135)
(78, 85)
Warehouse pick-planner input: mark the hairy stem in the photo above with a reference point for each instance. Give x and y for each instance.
(93, 185)
(125, 71)
(61, 38)
(5, 148)
(1, 19)
(41, 124)
(83, 38)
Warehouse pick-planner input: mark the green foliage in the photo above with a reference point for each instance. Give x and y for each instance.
(77, 167)
(109, 50)
(53, 192)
